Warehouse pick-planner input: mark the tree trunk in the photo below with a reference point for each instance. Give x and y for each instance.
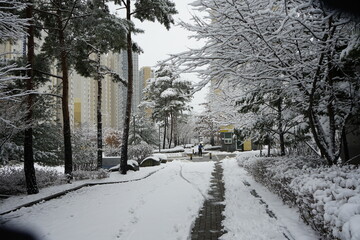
(171, 129)
(176, 142)
(98, 112)
(212, 134)
(280, 128)
(134, 129)
(331, 112)
(125, 139)
(30, 177)
(65, 100)
(165, 127)
(345, 146)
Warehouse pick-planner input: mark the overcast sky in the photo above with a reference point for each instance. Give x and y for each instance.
(158, 43)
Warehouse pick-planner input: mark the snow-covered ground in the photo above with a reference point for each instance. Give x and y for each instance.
(161, 206)
(247, 217)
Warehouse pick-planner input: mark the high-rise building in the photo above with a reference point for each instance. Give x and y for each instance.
(113, 93)
(83, 91)
(136, 85)
(145, 74)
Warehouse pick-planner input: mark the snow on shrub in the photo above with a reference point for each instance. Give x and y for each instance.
(12, 179)
(328, 198)
(139, 152)
(333, 195)
(82, 175)
(161, 156)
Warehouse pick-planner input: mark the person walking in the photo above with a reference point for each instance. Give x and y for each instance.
(200, 147)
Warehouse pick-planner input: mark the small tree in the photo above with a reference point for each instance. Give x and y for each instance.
(168, 99)
(142, 131)
(207, 124)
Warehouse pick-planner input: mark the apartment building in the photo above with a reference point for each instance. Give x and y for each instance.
(136, 82)
(145, 74)
(83, 91)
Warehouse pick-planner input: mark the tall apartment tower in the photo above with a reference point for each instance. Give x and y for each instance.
(145, 74)
(83, 98)
(123, 93)
(83, 91)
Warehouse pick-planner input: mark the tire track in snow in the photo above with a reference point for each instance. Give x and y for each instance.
(191, 183)
(253, 192)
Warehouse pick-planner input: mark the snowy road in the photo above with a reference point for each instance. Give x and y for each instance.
(163, 206)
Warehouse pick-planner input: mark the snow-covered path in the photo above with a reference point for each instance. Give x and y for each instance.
(252, 212)
(163, 206)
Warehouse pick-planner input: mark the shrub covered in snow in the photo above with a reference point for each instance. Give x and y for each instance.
(82, 175)
(12, 180)
(333, 196)
(84, 148)
(328, 198)
(139, 152)
(150, 161)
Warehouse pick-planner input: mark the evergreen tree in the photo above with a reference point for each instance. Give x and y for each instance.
(150, 10)
(168, 97)
(142, 131)
(76, 31)
(57, 18)
(98, 33)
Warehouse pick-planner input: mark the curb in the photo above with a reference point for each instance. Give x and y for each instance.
(59, 194)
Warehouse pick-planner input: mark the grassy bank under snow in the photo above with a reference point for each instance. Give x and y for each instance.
(328, 198)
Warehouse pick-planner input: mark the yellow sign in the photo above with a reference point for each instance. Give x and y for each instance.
(247, 145)
(227, 128)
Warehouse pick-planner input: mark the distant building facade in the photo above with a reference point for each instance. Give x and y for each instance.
(114, 94)
(145, 74)
(83, 91)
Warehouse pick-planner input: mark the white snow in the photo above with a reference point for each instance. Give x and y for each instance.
(161, 206)
(246, 217)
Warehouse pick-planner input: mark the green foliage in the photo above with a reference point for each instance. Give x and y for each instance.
(97, 33)
(168, 93)
(46, 132)
(151, 10)
(88, 28)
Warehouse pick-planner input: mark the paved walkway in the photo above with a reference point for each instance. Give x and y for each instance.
(208, 224)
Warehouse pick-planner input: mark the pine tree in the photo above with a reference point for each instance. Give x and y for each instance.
(98, 33)
(168, 98)
(150, 10)
(13, 28)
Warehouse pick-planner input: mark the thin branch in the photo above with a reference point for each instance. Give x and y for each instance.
(48, 74)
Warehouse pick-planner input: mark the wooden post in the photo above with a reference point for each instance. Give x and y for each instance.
(210, 156)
